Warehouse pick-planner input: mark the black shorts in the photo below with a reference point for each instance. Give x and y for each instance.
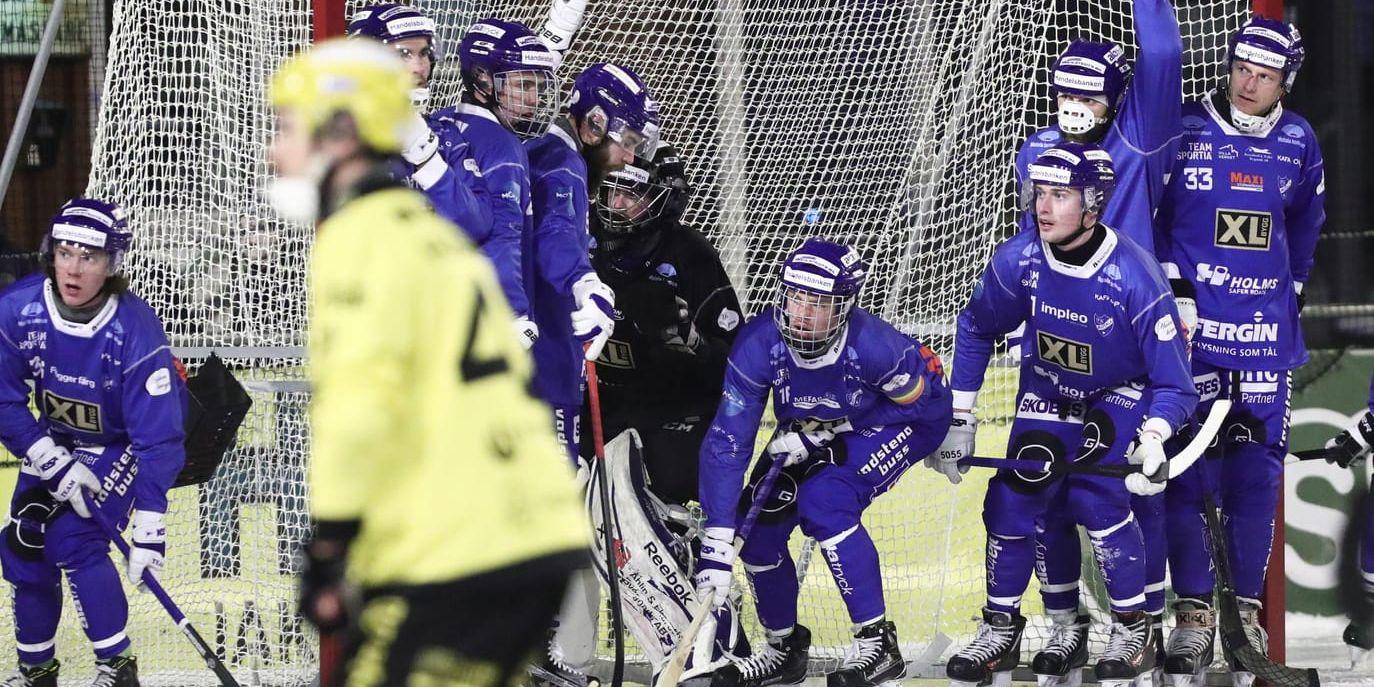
(479, 631)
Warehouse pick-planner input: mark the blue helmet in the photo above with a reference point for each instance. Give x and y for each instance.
(389, 22)
(91, 223)
(505, 63)
(820, 282)
(618, 99)
(1090, 70)
(1084, 166)
(1268, 43)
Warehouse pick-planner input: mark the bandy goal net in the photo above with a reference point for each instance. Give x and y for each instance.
(888, 125)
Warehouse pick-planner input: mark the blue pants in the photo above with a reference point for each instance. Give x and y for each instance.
(826, 497)
(1243, 471)
(77, 547)
(567, 427)
(1019, 505)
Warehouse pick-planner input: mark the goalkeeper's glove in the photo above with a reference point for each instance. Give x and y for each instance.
(1353, 442)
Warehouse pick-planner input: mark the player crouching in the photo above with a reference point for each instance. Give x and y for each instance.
(857, 403)
(1107, 366)
(103, 447)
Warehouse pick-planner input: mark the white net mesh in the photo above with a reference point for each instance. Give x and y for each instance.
(888, 125)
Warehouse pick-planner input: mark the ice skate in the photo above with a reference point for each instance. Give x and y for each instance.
(993, 653)
(1192, 643)
(782, 661)
(1130, 655)
(872, 659)
(1061, 662)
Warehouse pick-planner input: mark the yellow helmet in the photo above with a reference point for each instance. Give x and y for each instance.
(359, 76)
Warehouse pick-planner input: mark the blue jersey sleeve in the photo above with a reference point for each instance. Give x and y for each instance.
(1371, 395)
(998, 305)
(452, 181)
(1154, 320)
(729, 443)
(18, 428)
(1305, 216)
(154, 399)
(1151, 114)
(561, 233)
(508, 183)
(912, 380)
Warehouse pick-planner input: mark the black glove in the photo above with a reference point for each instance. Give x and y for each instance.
(650, 304)
(1352, 443)
(327, 599)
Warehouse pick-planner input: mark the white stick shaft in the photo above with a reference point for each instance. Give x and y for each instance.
(1195, 448)
(672, 672)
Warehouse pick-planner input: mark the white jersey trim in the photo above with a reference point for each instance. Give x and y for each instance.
(86, 330)
(477, 111)
(1226, 127)
(1088, 268)
(826, 360)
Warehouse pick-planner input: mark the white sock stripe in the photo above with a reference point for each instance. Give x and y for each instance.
(1368, 576)
(109, 641)
(1071, 610)
(874, 619)
(35, 648)
(1103, 534)
(1156, 587)
(1056, 588)
(761, 568)
(1119, 604)
(835, 540)
(1009, 601)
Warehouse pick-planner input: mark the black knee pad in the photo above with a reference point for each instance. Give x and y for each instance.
(782, 502)
(1242, 428)
(29, 522)
(1034, 445)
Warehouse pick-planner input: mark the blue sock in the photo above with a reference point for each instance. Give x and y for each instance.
(1057, 563)
(101, 605)
(1149, 513)
(1010, 561)
(775, 592)
(1120, 552)
(853, 562)
(37, 610)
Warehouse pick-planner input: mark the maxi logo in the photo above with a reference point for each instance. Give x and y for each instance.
(1066, 354)
(1243, 229)
(1240, 181)
(79, 415)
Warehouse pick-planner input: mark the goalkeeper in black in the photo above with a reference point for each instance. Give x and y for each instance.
(447, 521)
(661, 371)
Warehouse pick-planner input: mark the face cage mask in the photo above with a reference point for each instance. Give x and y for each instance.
(648, 205)
(1255, 124)
(540, 114)
(811, 334)
(1077, 119)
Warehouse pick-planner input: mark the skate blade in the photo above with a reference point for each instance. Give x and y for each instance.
(1074, 678)
(1359, 657)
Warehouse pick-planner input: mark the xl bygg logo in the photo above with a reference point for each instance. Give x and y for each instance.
(1067, 354)
(1243, 229)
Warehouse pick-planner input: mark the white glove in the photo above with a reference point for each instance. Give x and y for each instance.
(1149, 455)
(795, 447)
(957, 445)
(526, 332)
(594, 318)
(421, 142)
(714, 565)
(66, 478)
(149, 548)
(565, 16)
(1187, 312)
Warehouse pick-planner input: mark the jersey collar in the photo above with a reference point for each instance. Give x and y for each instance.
(476, 111)
(1088, 268)
(1225, 124)
(83, 330)
(825, 359)
(563, 135)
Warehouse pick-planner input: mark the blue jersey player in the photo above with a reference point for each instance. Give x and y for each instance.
(435, 157)
(1352, 445)
(108, 437)
(1239, 222)
(509, 95)
(1106, 365)
(611, 118)
(857, 403)
(1131, 111)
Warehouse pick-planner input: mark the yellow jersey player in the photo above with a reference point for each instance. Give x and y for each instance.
(437, 488)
